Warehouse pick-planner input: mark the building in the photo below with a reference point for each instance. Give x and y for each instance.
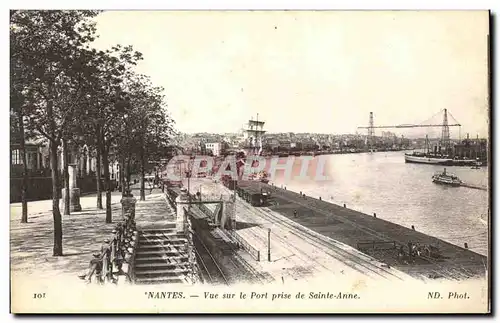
(36, 163)
(309, 144)
(472, 149)
(216, 148)
(271, 144)
(285, 145)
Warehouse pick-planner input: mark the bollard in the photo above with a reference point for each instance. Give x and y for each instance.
(466, 246)
(413, 227)
(320, 198)
(374, 214)
(344, 205)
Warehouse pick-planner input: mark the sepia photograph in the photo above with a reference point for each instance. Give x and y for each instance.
(250, 161)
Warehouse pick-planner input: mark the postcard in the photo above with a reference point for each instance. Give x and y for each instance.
(250, 161)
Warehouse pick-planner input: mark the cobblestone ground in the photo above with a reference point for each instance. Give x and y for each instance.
(83, 233)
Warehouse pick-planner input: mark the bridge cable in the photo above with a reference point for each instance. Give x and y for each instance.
(429, 120)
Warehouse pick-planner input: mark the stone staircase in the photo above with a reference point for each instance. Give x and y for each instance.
(162, 257)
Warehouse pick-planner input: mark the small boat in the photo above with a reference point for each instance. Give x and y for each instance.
(477, 164)
(446, 179)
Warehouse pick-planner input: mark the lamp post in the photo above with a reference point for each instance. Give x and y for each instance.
(188, 175)
(269, 244)
(189, 185)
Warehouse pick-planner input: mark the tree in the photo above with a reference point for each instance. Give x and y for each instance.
(152, 128)
(108, 105)
(48, 44)
(17, 125)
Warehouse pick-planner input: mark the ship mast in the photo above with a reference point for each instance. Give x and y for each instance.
(255, 132)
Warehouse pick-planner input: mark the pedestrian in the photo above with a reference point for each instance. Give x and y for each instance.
(294, 213)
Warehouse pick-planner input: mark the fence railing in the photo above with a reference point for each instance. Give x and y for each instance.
(203, 208)
(245, 245)
(217, 210)
(114, 263)
(171, 200)
(215, 197)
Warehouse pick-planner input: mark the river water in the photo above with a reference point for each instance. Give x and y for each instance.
(400, 192)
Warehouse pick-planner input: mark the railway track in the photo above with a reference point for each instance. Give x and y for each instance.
(365, 267)
(328, 213)
(238, 263)
(328, 245)
(360, 263)
(295, 252)
(256, 277)
(442, 271)
(212, 269)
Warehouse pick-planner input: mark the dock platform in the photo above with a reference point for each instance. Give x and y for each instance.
(361, 231)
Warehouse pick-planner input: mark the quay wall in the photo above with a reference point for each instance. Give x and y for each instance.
(354, 228)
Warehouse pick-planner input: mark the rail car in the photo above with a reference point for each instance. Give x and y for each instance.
(230, 183)
(254, 196)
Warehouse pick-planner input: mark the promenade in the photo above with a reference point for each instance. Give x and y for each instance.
(83, 234)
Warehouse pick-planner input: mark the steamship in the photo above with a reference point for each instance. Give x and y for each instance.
(433, 158)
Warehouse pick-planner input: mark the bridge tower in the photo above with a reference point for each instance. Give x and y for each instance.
(445, 133)
(371, 133)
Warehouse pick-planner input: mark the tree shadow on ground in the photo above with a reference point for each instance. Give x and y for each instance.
(31, 244)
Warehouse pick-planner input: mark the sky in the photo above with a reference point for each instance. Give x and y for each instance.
(311, 71)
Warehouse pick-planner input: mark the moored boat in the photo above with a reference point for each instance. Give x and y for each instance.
(446, 179)
(428, 159)
(477, 165)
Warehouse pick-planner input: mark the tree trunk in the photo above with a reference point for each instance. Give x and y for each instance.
(56, 214)
(58, 249)
(127, 168)
(66, 177)
(98, 177)
(107, 186)
(122, 174)
(24, 186)
(143, 194)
